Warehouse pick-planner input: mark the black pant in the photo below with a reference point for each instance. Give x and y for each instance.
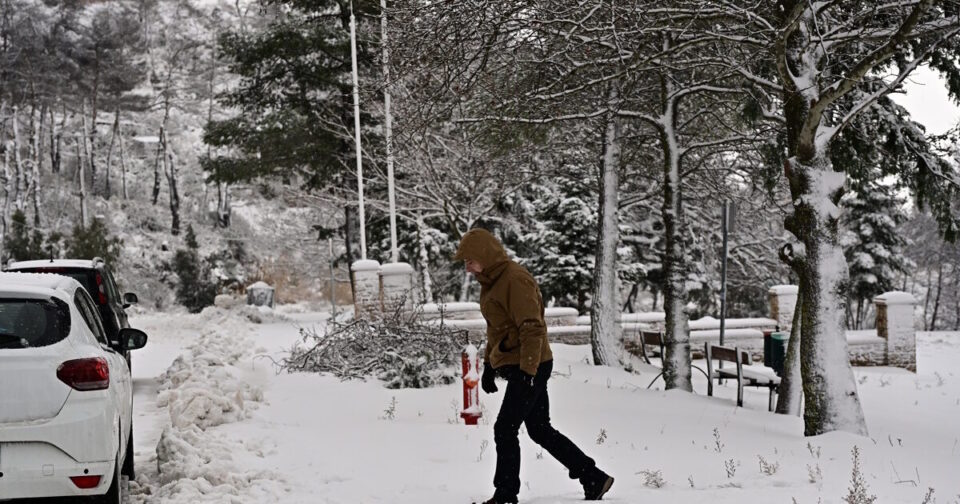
(522, 405)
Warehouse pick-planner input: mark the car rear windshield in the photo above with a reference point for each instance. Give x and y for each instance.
(28, 323)
(86, 277)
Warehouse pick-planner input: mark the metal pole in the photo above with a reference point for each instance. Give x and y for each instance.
(333, 279)
(356, 127)
(723, 273)
(394, 255)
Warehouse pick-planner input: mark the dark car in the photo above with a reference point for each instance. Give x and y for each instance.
(96, 277)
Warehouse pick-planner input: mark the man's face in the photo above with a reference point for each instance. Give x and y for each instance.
(473, 266)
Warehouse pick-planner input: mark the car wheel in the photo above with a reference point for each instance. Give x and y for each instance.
(113, 495)
(128, 469)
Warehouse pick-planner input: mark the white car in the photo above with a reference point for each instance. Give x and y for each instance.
(66, 397)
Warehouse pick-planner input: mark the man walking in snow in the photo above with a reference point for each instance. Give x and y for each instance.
(517, 350)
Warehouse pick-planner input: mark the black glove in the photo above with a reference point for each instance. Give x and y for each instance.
(488, 379)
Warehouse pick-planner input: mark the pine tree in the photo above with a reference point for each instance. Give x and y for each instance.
(294, 95)
(195, 290)
(557, 244)
(872, 245)
(20, 244)
(94, 241)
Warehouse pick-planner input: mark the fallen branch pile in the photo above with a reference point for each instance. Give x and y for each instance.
(400, 349)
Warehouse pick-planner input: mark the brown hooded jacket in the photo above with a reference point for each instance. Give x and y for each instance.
(511, 303)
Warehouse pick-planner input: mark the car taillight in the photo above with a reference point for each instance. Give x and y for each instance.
(101, 290)
(85, 482)
(85, 374)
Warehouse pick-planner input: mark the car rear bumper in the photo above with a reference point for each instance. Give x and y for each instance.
(41, 470)
(37, 459)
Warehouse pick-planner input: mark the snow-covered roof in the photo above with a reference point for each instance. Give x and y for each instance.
(781, 290)
(895, 298)
(259, 285)
(365, 265)
(35, 285)
(395, 268)
(55, 263)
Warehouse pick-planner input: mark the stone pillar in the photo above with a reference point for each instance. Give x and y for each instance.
(366, 292)
(895, 325)
(783, 304)
(260, 294)
(396, 285)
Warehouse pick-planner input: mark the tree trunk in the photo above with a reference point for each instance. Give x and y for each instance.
(425, 280)
(7, 184)
(83, 190)
(113, 139)
(926, 303)
(223, 204)
(7, 191)
(830, 390)
(93, 126)
(956, 300)
(83, 138)
(676, 363)
(605, 338)
(156, 167)
(54, 144)
(936, 301)
(628, 305)
(791, 385)
(348, 245)
(35, 178)
(123, 163)
(19, 172)
(464, 288)
(170, 169)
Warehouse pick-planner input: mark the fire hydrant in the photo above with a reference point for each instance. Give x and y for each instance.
(471, 379)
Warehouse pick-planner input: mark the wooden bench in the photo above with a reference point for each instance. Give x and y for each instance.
(655, 339)
(744, 377)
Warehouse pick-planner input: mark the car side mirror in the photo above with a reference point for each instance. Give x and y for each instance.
(130, 299)
(132, 339)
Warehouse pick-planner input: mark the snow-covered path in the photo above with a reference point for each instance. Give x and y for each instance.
(314, 439)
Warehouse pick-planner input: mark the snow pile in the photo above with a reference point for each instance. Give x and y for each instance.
(199, 388)
(255, 314)
(202, 389)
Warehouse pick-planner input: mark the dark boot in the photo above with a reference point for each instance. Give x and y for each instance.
(498, 500)
(596, 484)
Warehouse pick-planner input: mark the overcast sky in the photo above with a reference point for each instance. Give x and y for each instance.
(926, 99)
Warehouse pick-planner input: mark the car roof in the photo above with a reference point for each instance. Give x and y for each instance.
(56, 263)
(37, 285)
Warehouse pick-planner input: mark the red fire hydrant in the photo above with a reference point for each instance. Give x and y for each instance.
(471, 379)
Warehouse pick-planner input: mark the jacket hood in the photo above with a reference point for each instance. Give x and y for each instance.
(480, 245)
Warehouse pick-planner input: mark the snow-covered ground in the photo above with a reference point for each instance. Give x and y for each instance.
(234, 430)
